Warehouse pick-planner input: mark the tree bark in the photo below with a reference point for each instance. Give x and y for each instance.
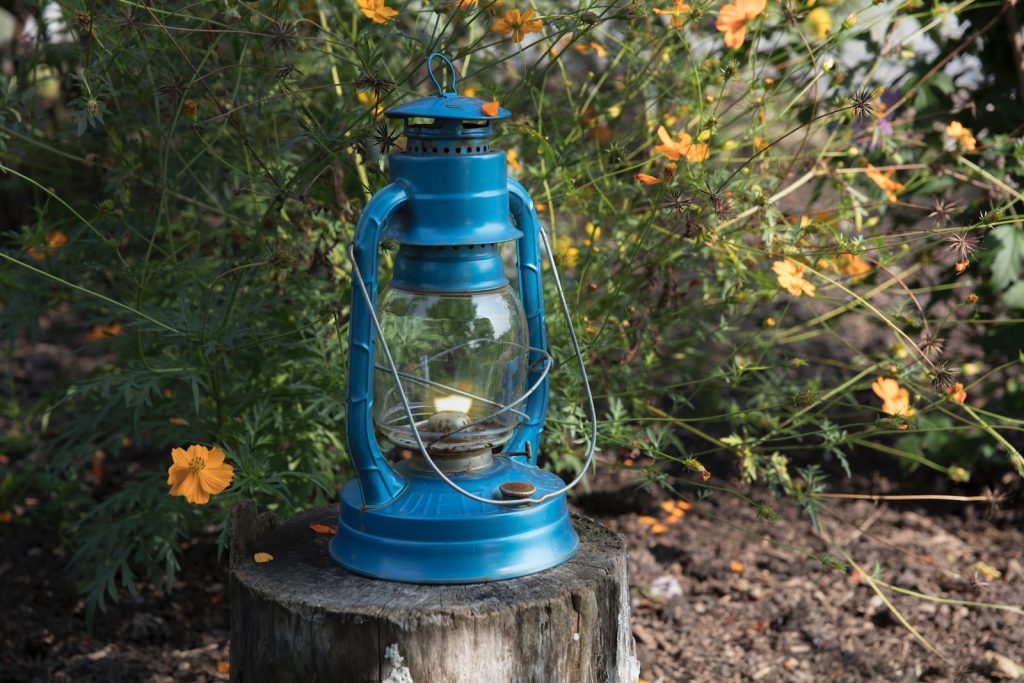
(301, 618)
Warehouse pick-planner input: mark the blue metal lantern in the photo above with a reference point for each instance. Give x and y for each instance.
(451, 363)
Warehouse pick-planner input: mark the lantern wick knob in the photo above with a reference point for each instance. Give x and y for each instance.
(451, 71)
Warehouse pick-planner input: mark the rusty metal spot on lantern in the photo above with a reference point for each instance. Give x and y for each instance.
(517, 490)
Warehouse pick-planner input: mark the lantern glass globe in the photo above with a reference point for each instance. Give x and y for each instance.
(463, 356)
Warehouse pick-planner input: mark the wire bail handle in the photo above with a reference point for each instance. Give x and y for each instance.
(451, 71)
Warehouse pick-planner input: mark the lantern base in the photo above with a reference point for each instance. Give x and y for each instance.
(431, 533)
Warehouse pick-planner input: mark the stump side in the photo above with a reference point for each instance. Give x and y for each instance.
(303, 618)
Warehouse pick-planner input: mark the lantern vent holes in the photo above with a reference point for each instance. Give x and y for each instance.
(420, 148)
(457, 247)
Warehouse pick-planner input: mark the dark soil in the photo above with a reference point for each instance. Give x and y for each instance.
(752, 603)
(719, 596)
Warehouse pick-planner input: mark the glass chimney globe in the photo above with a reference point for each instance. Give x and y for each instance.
(462, 357)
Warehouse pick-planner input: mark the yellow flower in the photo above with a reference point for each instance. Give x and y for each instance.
(593, 232)
(567, 254)
(852, 265)
(198, 473)
(54, 240)
(375, 11)
(791, 278)
(517, 24)
(895, 399)
(679, 8)
(884, 181)
(958, 132)
(820, 21)
(686, 147)
(512, 159)
(370, 100)
(732, 20)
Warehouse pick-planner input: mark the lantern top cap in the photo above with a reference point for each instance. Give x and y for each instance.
(446, 104)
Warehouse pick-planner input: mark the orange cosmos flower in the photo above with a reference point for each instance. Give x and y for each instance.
(686, 147)
(596, 47)
(375, 11)
(791, 277)
(512, 159)
(490, 108)
(852, 265)
(957, 393)
(961, 266)
(962, 135)
(101, 332)
(679, 8)
(895, 399)
(198, 473)
(646, 179)
(884, 181)
(53, 240)
(732, 20)
(518, 24)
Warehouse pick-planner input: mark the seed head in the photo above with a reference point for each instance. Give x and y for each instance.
(173, 88)
(863, 104)
(943, 377)
(375, 84)
(282, 35)
(385, 138)
(943, 211)
(285, 70)
(962, 245)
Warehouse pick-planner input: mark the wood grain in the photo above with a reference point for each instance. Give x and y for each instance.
(301, 618)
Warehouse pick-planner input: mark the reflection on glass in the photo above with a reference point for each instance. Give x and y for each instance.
(462, 357)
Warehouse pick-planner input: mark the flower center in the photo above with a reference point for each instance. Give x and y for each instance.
(196, 464)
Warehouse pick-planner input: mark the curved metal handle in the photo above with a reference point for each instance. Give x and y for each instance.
(378, 482)
(527, 437)
(451, 71)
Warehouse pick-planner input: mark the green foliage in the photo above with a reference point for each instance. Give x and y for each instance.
(189, 174)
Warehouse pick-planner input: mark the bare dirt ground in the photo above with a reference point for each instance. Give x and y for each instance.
(723, 596)
(713, 599)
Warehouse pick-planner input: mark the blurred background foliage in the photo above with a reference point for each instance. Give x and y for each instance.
(820, 258)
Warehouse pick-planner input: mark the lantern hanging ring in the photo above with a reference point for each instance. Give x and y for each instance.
(592, 445)
(451, 70)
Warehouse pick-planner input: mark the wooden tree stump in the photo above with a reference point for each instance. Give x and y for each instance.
(302, 618)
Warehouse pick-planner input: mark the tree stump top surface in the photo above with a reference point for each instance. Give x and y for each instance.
(303, 575)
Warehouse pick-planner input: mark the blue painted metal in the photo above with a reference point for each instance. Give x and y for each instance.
(471, 268)
(446, 106)
(432, 534)
(447, 209)
(378, 482)
(531, 292)
(453, 200)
